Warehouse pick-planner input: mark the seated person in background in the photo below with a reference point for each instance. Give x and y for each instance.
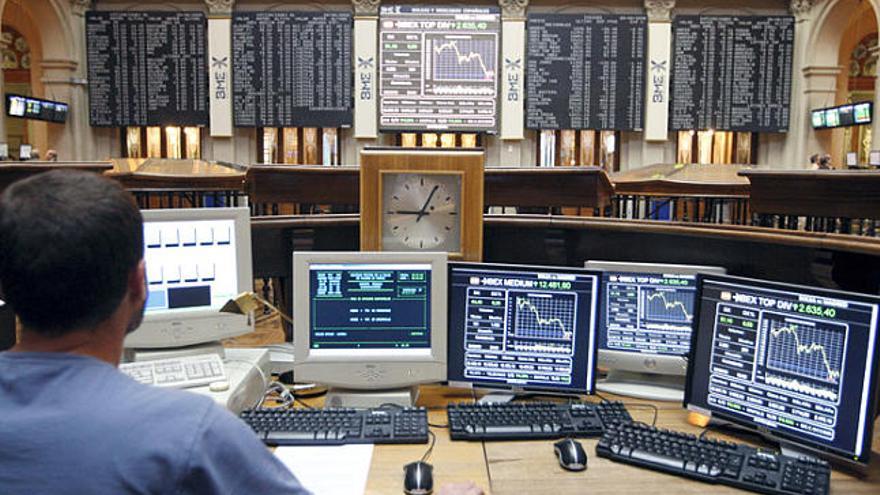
(825, 162)
(814, 161)
(71, 264)
(51, 156)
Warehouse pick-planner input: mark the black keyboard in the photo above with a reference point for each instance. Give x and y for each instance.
(532, 420)
(713, 461)
(338, 426)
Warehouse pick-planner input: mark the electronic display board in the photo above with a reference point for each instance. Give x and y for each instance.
(438, 68)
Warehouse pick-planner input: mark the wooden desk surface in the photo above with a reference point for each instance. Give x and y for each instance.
(683, 180)
(530, 466)
(168, 174)
(821, 193)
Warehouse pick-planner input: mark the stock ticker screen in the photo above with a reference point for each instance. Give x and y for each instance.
(370, 306)
(526, 327)
(798, 362)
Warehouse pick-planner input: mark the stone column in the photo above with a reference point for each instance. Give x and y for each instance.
(220, 79)
(512, 88)
(70, 78)
(655, 145)
(875, 126)
(811, 87)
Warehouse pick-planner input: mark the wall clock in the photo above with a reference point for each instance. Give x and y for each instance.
(422, 200)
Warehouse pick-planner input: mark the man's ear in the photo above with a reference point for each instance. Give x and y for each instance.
(137, 282)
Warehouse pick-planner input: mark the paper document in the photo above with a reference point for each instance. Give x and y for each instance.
(329, 470)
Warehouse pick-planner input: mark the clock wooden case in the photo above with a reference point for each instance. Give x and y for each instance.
(422, 200)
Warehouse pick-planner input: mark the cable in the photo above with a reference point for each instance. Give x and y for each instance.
(644, 406)
(601, 397)
(427, 453)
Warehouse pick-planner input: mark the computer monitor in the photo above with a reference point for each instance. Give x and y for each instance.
(522, 328)
(7, 326)
(197, 259)
(25, 152)
(645, 323)
(797, 364)
(370, 325)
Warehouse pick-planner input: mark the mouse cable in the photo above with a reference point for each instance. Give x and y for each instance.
(427, 453)
(601, 397)
(637, 405)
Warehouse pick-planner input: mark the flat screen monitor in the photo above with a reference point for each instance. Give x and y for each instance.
(832, 117)
(439, 68)
(645, 324)
(369, 321)
(862, 113)
(25, 152)
(197, 260)
(7, 326)
(36, 108)
(846, 115)
(798, 364)
(522, 328)
(818, 117)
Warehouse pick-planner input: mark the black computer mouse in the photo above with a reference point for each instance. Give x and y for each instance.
(571, 454)
(418, 478)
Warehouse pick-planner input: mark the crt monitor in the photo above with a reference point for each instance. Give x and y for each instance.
(197, 259)
(369, 325)
(798, 364)
(522, 328)
(645, 322)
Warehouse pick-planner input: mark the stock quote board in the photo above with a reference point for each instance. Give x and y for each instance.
(292, 69)
(147, 68)
(585, 71)
(438, 68)
(731, 73)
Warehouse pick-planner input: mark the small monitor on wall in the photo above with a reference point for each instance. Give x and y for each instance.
(646, 320)
(796, 364)
(852, 159)
(370, 325)
(818, 117)
(25, 151)
(197, 259)
(523, 328)
(27, 107)
(874, 158)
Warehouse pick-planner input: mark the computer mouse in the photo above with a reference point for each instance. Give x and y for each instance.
(571, 454)
(418, 478)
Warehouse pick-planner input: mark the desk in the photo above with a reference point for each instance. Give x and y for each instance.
(13, 171)
(531, 467)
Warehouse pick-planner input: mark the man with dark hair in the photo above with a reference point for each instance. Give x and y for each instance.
(71, 264)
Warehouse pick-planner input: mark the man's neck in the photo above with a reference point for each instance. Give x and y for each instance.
(99, 343)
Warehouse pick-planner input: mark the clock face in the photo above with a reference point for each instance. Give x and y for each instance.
(421, 212)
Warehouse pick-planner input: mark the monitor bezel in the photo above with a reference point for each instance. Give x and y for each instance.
(223, 325)
(375, 370)
(644, 362)
(829, 453)
(593, 342)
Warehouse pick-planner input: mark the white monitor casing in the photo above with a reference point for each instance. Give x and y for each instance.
(201, 325)
(369, 369)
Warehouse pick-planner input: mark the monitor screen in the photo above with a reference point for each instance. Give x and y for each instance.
(796, 363)
(15, 105)
(832, 117)
(197, 260)
(649, 313)
(521, 327)
(818, 119)
(25, 152)
(369, 306)
(846, 115)
(190, 264)
(369, 320)
(36, 108)
(862, 113)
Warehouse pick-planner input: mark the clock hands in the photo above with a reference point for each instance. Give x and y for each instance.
(423, 211)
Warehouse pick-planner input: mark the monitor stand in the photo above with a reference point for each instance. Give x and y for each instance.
(795, 451)
(497, 398)
(343, 397)
(643, 385)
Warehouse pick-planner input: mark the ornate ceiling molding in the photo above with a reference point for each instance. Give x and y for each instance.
(801, 7)
(513, 9)
(366, 7)
(79, 7)
(220, 7)
(659, 10)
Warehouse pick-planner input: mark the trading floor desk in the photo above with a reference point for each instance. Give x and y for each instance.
(530, 467)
